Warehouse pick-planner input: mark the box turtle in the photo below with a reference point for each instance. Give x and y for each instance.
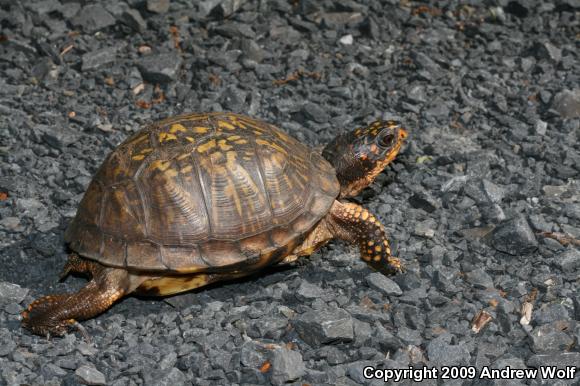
(200, 198)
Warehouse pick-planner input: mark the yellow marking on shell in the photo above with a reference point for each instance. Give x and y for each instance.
(282, 136)
(177, 127)
(163, 137)
(160, 165)
(231, 164)
(183, 156)
(233, 137)
(226, 125)
(146, 150)
(374, 131)
(258, 132)
(241, 141)
(272, 145)
(369, 251)
(216, 157)
(231, 157)
(206, 146)
(371, 243)
(378, 248)
(138, 157)
(190, 139)
(186, 169)
(366, 257)
(377, 258)
(365, 215)
(200, 129)
(236, 121)
(171, 173)
(223, 145)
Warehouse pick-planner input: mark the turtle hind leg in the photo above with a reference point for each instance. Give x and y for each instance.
(55, 314)
(355, 224)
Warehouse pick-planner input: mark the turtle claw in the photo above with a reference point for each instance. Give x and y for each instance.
(81, 329)
(65, 272)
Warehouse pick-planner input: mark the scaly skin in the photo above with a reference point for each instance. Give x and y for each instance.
(55, 314)
(355, 224)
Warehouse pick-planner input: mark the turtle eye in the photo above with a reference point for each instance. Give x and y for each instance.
(386, 139)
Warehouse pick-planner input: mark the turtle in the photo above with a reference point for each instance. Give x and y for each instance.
(205, 197)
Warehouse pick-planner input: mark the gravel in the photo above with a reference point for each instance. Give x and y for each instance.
(90, 376)
(489, 91)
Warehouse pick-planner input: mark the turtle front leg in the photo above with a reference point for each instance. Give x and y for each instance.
(55, 314)
(355, 224)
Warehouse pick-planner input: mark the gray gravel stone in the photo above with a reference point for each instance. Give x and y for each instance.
(161, 68)
(514, 237)
(11, 293)
(234, 99)
(441, 352)
(382, 283)
(324, 326)
(92, 18)
(95, 59)
(226, 8)
(158, 6)
(133, 19)
(315, 112)
(287, 365)
(546, 50)
(308, 291)
(567, 103)
(552, 337)
(169, 377)
(425, 201)
(253, 354)
(88, 375)
(252, 50)
(568, 260)
(13, 308)
(385, 340)
(561, 360)
(479, 279)
(7, 346)
(355, 371)
(549, 313)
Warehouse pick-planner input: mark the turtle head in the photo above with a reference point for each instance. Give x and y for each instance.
(360, 155)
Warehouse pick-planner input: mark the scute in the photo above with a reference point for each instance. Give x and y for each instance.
(202, 191)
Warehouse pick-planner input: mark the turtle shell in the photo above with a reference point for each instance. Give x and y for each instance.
(202, 192)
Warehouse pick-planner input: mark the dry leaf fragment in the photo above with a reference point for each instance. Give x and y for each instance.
(526, 312)
(265, 367)
(480, 320)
